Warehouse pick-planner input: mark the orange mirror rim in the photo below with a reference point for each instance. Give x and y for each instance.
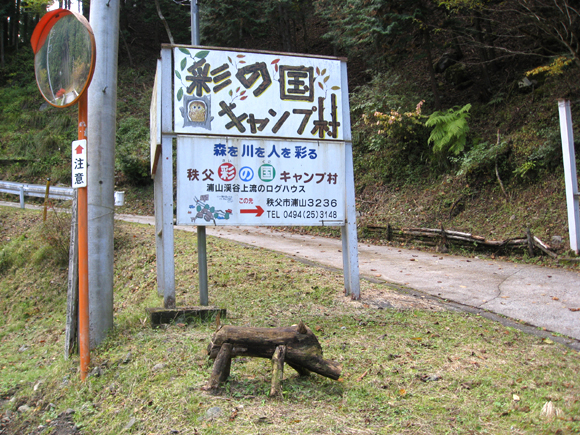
(41, 32)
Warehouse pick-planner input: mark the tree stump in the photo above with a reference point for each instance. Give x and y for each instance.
(296, 345)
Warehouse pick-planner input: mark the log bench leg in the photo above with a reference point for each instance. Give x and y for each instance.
(221, 367)
(277, 371)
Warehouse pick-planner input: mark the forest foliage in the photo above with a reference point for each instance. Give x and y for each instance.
(433, 83)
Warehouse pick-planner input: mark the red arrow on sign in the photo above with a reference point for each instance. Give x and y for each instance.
(79, 149)
(258, 210)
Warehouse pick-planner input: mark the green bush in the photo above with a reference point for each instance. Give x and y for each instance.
(390, 138)
(132, 151)
(480, 160)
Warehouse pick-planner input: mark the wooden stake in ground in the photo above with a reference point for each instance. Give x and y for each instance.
(72, 297)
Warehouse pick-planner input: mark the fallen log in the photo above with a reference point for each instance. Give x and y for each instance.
(425, 234)
(302, 349)
(543, 247)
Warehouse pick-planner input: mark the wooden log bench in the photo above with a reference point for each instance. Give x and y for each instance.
(296, 346)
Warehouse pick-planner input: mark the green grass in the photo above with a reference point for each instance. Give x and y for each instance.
(407, 371)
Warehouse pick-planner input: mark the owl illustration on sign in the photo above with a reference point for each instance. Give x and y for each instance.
(196, 112)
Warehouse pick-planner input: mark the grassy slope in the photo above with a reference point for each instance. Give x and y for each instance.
(414, 369)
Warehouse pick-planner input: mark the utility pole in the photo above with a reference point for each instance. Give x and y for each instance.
(102, 111)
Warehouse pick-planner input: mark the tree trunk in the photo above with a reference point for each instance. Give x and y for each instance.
(284, 28)
(16, 26)
(482, 50)
(2, 43)
(305, 35)
(432, 78)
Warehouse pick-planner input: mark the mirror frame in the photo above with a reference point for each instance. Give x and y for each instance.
(41, 32)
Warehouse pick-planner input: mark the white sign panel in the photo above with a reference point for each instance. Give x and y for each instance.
(79, 163)
(234, 93)
(245, 181)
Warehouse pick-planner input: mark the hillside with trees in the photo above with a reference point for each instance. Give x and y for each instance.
(453, 103)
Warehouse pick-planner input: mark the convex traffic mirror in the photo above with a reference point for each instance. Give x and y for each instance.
(64, 56)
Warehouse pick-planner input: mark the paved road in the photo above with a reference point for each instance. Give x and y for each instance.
(540, 296)
(547, 298)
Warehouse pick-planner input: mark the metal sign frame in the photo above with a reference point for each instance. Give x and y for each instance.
(169, 106)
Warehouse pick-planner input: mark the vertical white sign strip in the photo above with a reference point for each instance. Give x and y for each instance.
(571, 177)
(79, 163)
(234, 181)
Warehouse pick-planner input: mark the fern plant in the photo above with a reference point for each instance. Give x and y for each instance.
(450, 129)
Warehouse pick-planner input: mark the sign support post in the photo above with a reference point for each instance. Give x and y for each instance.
(164, 183)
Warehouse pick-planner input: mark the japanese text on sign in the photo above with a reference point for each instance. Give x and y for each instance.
(240, 181)
(257, 94)
(79, 163)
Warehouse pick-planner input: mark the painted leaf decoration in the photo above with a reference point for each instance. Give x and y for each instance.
(184, 50)
(231, 93)
(179, 94)
(202, 54)
(326, 79)
(183, 63)
(242, 92)
(335, 88)
(317, 70)
(230, 59)
(242, 61)
(276, 67)
(238, 90)
(320, 84)
(240, 56)
(243, 98)
(323, 72)
(275, 61)
(177, 74)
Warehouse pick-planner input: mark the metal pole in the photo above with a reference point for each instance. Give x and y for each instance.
(201, 234)
(83, 250)
(202, 264)
(102, 115)
(164, 176)
(194, 23)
